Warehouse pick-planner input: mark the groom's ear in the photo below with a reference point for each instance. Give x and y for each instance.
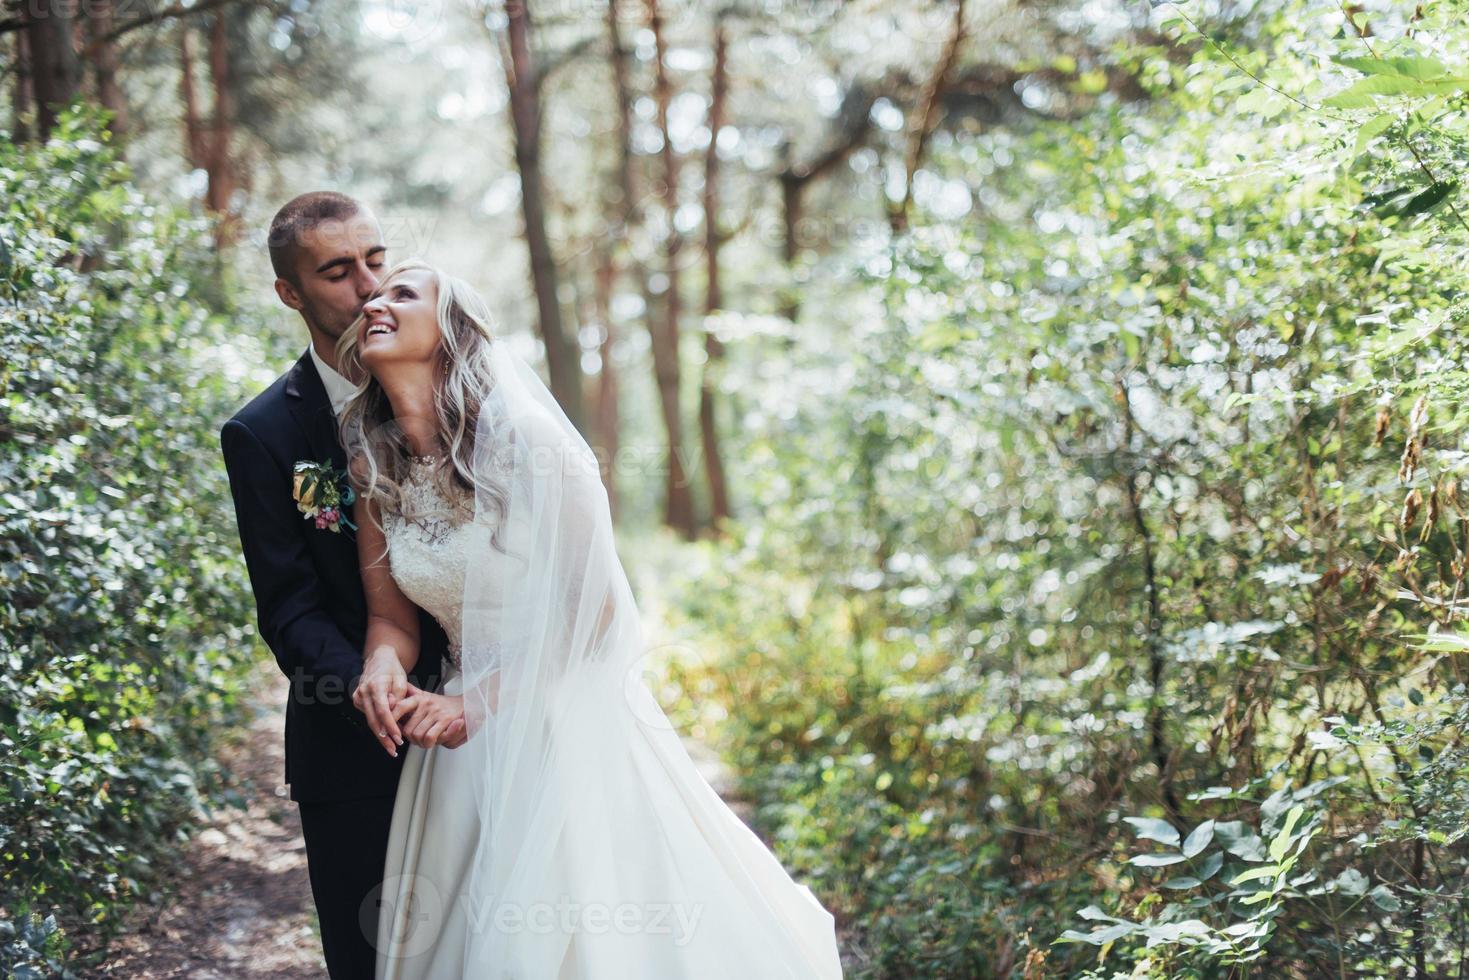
(289, 294)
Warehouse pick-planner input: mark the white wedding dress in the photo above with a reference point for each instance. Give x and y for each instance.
(751, 921)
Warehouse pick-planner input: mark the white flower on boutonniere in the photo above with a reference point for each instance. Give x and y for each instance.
(321, 491)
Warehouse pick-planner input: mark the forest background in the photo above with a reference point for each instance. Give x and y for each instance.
(1040, 425)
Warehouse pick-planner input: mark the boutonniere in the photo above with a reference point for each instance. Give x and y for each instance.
(321, 491)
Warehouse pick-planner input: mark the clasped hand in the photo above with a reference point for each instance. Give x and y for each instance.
(396, 709)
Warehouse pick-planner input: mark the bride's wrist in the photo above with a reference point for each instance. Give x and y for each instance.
(378, 655)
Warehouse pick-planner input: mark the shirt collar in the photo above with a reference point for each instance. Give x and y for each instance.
(338, 388)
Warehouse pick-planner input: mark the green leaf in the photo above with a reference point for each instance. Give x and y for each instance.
(1429, 199)
(1240, 839)
(1441, 642)
(1351, 882)
(1152, 828)
(1371, 129)
(1412, 66)
(1173, 931)
(1364, 94)
(1274, 805)
(1316, 788)
(1099, 937)
(1211, 864)
(1252, 928)
(1198, 839)
(1282, 842)
(1254, 874)
(1384, 899)
(1156, 860)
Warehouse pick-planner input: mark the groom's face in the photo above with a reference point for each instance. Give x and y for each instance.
(338, 263)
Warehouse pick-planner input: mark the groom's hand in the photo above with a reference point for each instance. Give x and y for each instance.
(455, 735)
(384, 683)
(433, 719)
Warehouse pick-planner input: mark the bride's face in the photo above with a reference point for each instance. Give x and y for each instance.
(400, 321)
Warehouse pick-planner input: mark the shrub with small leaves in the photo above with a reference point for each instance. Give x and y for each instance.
(120, 590)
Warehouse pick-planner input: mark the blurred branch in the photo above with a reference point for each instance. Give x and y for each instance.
(551, 63)
(853, 123)
(920, 133)
(11, 24)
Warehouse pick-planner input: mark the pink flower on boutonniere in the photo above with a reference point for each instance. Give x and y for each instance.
(321, 491)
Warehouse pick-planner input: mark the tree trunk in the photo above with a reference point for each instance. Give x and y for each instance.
(620, 217)
(678, 502)
(55, 69)
(713, 301)
(219, 197)
(21, 95)
(195, 150)
(207, 144)
(1153, 635)
(563, 360)
(105, 63)
(608, 421)
(623, 215)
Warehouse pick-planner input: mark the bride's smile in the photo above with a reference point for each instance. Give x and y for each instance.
(399, 342)
(399, 321)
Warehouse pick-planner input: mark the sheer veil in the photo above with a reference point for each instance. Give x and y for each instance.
(603, 852)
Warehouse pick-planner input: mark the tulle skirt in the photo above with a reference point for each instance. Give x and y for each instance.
(698, 895)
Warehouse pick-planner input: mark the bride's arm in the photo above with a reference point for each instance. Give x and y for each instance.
(392, 618)
(391, 646)
(391, 649)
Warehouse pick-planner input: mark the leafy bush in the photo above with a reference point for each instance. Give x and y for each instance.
(118, 575)
(1125, 499)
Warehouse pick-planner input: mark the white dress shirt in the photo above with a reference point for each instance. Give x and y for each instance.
(338, 388)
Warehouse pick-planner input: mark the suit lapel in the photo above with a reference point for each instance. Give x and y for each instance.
(313, 412)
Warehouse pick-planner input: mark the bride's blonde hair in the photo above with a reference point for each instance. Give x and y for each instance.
(375, 446)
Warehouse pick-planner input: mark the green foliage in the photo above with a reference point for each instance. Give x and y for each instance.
(1117, 509)
(118, 576)
(1095, 610)
(32, 948)
(1233, 886)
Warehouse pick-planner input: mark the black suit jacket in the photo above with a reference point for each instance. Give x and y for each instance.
(308, 592)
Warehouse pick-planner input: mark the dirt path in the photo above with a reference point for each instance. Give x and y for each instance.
(242, 905)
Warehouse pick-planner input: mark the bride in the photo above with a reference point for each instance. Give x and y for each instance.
(549, 824)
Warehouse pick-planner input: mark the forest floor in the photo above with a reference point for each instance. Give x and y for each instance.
(240, 903)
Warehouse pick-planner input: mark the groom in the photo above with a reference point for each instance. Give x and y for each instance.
(327, 252)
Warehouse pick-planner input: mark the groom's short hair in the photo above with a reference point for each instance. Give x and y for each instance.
(296, 217)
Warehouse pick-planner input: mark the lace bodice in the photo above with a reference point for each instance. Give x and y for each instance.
(430, 556)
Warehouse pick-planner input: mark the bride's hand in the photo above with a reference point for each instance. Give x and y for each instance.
(381, 687)
(435, 719)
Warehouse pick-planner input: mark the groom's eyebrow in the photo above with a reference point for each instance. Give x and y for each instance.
(347, 259)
